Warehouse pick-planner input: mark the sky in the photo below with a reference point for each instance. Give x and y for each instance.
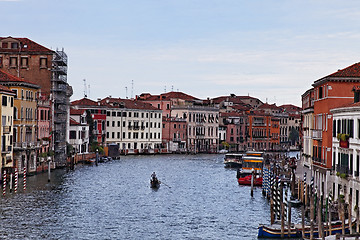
(269, 49)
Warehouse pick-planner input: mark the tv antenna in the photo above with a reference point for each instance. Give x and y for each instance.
(132, 88)
(85, 90)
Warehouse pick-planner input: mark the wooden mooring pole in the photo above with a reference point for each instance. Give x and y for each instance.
(252, 183)
(350, 214)
(312, 216)
(272, 217)
(303, 220)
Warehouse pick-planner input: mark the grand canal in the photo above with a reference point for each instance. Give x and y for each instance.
(201, 200)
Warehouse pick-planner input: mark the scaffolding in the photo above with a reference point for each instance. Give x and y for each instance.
(61, 93)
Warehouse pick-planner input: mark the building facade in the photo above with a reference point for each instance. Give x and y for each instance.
(25, 121)
(135, 126)
(329, 92)
(79, 131)
(344, 177)
(7, 111)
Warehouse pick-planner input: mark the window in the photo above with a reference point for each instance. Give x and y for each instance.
(14, 45)
(13, 62)
(43, 62)
(4, 100)
(113, 114)
(1, 61)
(24, 62)
(72, 134)
(15, 113)
(320, 92)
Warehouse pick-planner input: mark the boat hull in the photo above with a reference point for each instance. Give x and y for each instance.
(233, 164)
(247, 181)
(273, 232)
(154, 184)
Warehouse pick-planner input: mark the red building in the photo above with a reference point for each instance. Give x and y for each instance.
(98, 114)
(264, 131)
(235, 124)
(174, 134)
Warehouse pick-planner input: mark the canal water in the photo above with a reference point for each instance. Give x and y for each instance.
(199, 199)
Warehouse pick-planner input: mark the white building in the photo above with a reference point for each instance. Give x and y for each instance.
(79, 131)
(344, 178)
(203, 126)
(135, 126)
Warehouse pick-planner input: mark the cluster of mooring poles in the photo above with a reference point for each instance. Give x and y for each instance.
(325, 216)
(10, 179)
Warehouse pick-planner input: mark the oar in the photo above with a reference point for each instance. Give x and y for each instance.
(165, 184)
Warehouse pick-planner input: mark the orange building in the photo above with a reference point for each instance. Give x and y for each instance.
(264, 131)
(329, 92)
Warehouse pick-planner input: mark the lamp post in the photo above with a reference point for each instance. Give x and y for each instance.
(48, 160)
(97, 156)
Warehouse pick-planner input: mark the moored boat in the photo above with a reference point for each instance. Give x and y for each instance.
(233, 160)
(274, 231)
(247, 180)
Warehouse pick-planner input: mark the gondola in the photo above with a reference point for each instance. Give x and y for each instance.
(155, 183)
(274, 231)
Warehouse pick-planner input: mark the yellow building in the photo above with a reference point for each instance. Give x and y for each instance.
(6, 141)
(24, 123)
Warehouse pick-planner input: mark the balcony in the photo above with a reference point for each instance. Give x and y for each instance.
(136, 127)
(6, 149)
(19, 145)
(342, 169)
(6, 129)
(317, 134)
(176, 139)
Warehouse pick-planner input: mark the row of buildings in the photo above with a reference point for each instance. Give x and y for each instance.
(331, 133)
(178, 122)
(35, 100)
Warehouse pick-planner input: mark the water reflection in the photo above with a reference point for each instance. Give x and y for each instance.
(114, 201)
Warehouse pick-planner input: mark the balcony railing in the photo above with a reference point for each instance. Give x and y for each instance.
(317, 134)
(6, 129)
(20, 145)
(342, 169)
(6, 149)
